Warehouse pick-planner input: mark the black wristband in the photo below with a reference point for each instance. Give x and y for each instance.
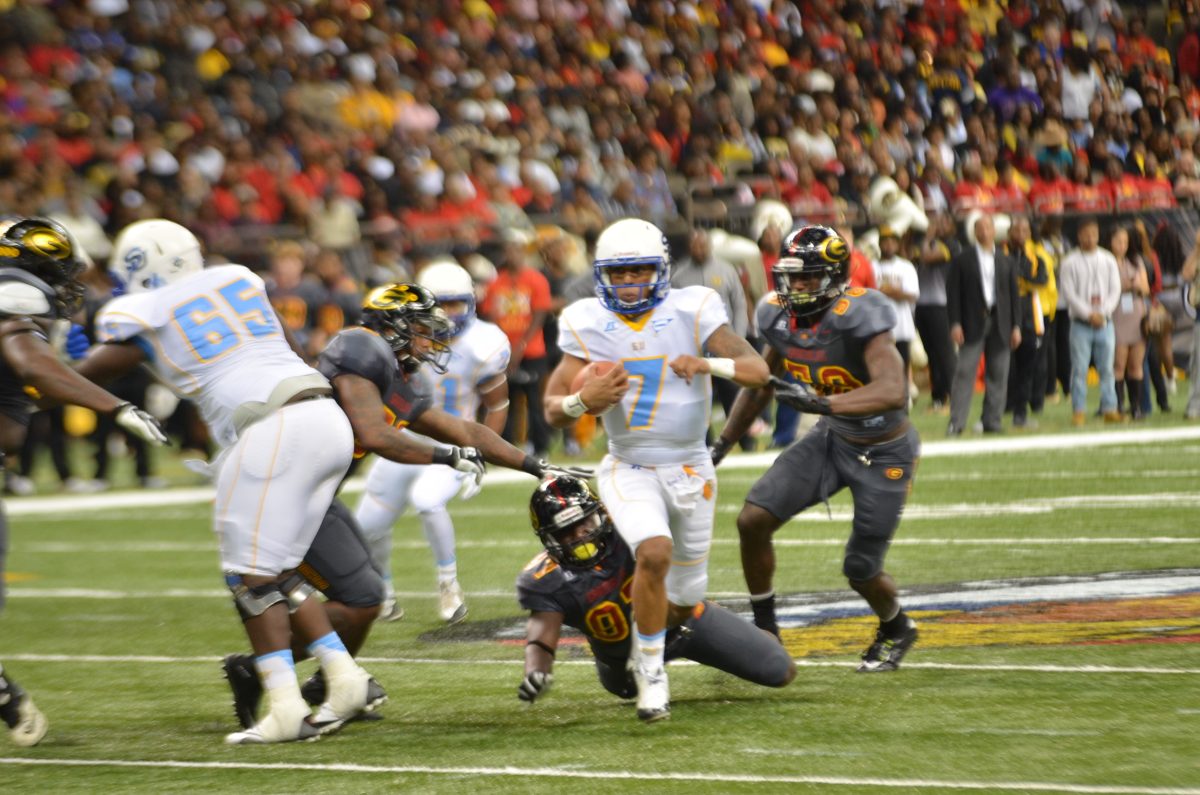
(544, 647)
(532, 466)
(444, 455)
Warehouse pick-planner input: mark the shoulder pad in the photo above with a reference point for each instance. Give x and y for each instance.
(540, 576)
(360, 352)
(768, 311)
(22, 293)
(862, 313)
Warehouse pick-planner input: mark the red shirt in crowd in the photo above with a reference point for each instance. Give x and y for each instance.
(510, 303)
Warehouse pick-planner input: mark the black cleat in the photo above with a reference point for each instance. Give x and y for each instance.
(247, 689)
(313, 690)
(886, 653)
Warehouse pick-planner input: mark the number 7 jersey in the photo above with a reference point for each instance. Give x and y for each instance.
(662, 419)
(212, 337)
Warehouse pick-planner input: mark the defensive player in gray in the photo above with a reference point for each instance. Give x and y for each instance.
(836, 346)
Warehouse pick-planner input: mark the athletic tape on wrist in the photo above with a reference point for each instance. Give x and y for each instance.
(573, 406)
(722, 368)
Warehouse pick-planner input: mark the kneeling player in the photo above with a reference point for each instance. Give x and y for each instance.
(583, 580)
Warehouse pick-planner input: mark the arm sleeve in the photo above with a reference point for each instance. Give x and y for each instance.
(867, 315)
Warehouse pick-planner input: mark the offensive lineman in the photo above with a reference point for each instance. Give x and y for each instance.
(475, 374)
(582, 580)
(657, 480)
(39, 267)
(212, 336)
(837, 345)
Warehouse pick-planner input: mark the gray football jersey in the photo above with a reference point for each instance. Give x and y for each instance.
(828, 356)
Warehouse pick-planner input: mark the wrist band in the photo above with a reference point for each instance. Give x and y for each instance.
(721, 368)
(573, 406)
(442, 455)
(532, 466)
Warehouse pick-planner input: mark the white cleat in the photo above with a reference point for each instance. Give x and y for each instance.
(349, 696)
(292, 725)
(654, 695)
(31, 724)
(391, 611)
(451, 605)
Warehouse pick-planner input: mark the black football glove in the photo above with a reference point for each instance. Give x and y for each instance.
(718, 450)
(800, 397)
(535, 684)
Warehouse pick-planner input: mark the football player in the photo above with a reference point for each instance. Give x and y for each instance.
(474, 375)
(657, 479)
(836, 345)
(583, 580)
(211, 335)
(39, 270)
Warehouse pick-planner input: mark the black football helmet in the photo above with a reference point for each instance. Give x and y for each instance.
(812, 251)
(570, 522)
(45, 249)
(402, 312)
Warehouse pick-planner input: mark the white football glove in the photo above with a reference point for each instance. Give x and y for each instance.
(535, 684)
(140, 423)
(469, 461)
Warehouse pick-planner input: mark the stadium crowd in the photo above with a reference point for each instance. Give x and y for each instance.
(338, 145)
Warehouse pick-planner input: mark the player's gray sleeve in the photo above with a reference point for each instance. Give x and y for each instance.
(722, 640)
(869, 314)
(339, 563)
(360, 353)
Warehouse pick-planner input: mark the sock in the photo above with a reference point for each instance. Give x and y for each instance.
(763, 605)
(896, 626)
(331, 653)
(650, 650)
(447, 572)
(277, 671)
(439, 532)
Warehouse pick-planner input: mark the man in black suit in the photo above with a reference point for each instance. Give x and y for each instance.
(985, 318)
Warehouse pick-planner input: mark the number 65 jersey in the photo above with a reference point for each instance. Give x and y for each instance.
(662, 419)
(212, 337)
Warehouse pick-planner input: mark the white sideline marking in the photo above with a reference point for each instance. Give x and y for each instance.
(612, 775)
(1065, 442)
(800, 663)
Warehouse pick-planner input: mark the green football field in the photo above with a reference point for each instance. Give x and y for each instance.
(1056, 580)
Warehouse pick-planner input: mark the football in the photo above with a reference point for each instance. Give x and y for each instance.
(589, 372)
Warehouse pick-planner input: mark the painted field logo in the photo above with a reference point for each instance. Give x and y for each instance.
(1102, 610)
(893, 473)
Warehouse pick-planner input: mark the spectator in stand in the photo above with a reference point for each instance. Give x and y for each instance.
(984, 313)
(940, 247)
(1129, 341)
(897, 279)
(1090, 283)
(518, 301)
(862, 273)
(1035, 290)
(651, 191)
(1189, 276)
(1058, 335)
(294, 294)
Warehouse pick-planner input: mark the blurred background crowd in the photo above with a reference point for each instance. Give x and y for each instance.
(339, 144)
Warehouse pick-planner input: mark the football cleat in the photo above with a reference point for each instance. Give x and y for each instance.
(294, 725)
(350, 698)
(26, 723)
(451, 606)
(886, 653)
(247, 688)
(390, 611)
(654, 696)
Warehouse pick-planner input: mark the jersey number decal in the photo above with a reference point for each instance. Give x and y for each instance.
(607, 621)
(209, 329)
(831, 379)
(650, 373)
(450, 396)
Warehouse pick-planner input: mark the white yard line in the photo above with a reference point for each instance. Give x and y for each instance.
(57, 504)
(614, 775)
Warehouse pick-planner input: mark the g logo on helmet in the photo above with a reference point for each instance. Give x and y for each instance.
(834, 249)
(47, 242)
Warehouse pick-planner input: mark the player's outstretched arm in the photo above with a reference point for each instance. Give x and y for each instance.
(749, 404)
(886, 391)
(109, 361)
(541, 642)
(600, 393)
(447, 428)
(360, 400)
(730, 356)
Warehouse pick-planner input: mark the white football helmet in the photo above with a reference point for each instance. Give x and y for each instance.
(449, 282)
(152, 254)
(632, 242)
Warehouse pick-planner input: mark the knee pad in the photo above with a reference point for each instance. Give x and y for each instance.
(253, 601)
(859, 568)
(296, 589)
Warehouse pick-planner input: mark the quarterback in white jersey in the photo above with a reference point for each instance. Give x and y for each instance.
(475, 374)
(213, 337)
(657, 479)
